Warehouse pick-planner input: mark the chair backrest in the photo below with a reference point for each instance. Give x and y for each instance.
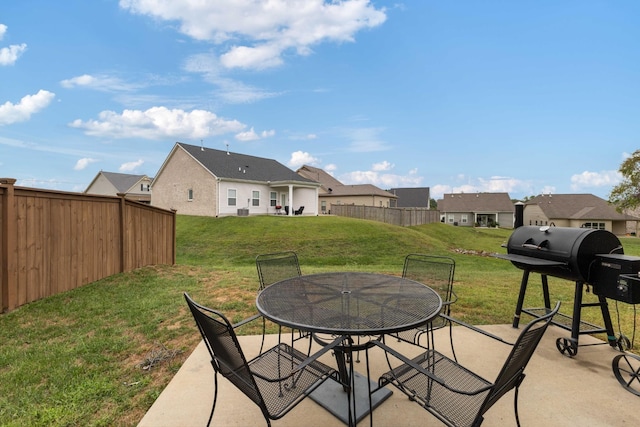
(227, 356)
(512, 372)
(277, 266)
(434, 271)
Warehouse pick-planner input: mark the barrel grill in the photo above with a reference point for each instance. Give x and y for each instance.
(582, 255)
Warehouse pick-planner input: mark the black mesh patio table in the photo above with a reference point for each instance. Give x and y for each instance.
(349, 304)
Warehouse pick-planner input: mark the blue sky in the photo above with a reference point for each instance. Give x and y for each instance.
(524, 97)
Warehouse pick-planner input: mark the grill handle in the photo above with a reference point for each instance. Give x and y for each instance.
(530, 246)
(541, 246)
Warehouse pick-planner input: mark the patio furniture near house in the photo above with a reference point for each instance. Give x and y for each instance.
(272, 268)
(298, 211)
(454, 394)
(436, 272)
(353, 305)
(286, 210)
(276, 380)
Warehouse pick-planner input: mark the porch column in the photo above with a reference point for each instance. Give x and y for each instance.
(290, 199)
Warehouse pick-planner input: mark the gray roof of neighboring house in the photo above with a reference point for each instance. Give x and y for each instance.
(417, 197)
(476, 202)
(577, 206)
(225, 164)
(122, 181)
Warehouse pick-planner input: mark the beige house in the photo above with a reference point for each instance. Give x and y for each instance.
(576, 210)
(134, 187)
(482, 209)
(197, 180)
(334, 192)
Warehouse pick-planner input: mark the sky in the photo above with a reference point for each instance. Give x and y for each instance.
(524, 97)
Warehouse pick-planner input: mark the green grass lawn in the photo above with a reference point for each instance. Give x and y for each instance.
(101, 354)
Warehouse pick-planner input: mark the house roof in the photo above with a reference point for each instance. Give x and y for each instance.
(417, 197)
(577, 206)
(476, 202)
(325, 179)
(358, 190)
(334, 188)
(122, 182)
(225, 164)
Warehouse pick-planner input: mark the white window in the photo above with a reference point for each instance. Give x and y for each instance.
(464, 218)
(255, 198)
(450, 218)
(190, 194)
(231, 197)
(273, 198)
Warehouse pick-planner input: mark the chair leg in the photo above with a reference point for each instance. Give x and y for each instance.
(264, 331)
(515, 406)
(453, 351)
(215, 397)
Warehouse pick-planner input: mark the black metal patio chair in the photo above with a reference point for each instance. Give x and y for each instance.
(454, 394)
(276, 380)
(272, 268)
(437, 272)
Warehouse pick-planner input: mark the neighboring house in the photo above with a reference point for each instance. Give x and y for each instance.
(197, 180)
(417, 197)
(575, 210)
(134, 187)
(334, 192)
(483, 209)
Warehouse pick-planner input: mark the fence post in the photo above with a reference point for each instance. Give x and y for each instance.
(123, 244)
(8, 233)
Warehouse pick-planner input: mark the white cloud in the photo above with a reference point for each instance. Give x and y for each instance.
(251, 135)
(158, 123)
(28, 105)
(494, 184)
(98, 82)
(365, 140)
(382, 180)
(9, 55)
(83, 163)
(382, 166)
(330, 168)
(306, 137)
(300, 158)
(588, 179)
(229, 90)
(258, 33)
(130, 166)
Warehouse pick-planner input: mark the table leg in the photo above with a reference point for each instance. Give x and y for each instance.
(348, 398)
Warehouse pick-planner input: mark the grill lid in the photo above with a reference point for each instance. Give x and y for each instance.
(565, 252)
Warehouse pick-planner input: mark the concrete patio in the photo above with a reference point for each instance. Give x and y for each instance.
(558, 391)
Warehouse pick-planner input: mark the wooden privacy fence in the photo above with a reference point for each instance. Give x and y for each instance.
(53, 241)
(404, 217)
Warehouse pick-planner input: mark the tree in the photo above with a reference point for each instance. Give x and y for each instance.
(626, 195)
